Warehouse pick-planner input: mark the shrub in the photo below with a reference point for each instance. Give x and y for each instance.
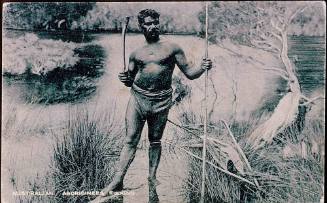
(30, 54)
(52, 71)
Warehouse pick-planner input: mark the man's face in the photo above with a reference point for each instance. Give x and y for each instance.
(150, 27)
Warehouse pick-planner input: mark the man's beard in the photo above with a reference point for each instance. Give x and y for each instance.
(152, 35)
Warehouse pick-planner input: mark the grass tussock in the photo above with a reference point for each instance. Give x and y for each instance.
(296, 178)
(286, 180)
(84, 156)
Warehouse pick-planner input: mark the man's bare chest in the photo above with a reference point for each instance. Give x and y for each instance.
(158, 55)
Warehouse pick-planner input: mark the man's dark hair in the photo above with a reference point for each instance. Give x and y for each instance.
(146, 13)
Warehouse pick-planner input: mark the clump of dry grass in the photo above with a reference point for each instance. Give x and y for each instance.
(290, 180)
(84, 157)
(295, 179)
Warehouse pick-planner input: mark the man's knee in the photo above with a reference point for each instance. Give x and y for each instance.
(133, 136)
(132, 142)
(155, 134)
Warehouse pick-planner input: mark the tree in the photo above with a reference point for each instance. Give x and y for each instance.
(265, 25)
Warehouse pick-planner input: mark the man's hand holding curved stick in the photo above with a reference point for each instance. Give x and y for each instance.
(125, 78)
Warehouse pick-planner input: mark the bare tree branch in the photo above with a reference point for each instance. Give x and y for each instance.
(277, 36)
(275, 26)
(273, 46)
(279, 72)
(234, 53)
(279, 19)
(309, 101)
(282, 73)
(265, 46)
(304, 97)
(271, 37)
(295, 13)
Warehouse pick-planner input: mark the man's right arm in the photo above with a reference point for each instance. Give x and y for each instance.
(128, 76)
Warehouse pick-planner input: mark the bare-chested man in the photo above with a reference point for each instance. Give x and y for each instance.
(149, 75)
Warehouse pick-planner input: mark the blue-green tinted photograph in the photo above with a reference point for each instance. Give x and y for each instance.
(171, 102)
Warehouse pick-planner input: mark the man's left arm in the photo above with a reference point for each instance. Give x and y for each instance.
(190, 71)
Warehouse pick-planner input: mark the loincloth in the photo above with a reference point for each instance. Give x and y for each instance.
(148, 102)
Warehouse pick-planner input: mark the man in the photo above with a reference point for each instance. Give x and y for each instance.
(149, 75)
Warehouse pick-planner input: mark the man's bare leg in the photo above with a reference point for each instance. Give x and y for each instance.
(134, 125)
(156, 126)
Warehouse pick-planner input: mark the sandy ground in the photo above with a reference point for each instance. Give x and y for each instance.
(169, 177)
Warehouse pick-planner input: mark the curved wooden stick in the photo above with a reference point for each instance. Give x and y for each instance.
(124, 37)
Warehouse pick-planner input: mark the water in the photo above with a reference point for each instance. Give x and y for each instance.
(308, 54)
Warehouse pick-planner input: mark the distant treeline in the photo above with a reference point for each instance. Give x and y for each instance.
(96, 16)
(43, 15)
(234, 20)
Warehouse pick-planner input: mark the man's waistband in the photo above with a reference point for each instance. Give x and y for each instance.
(154, 94)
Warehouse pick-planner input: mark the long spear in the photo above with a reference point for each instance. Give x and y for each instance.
(124, 39)
(204, 149)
